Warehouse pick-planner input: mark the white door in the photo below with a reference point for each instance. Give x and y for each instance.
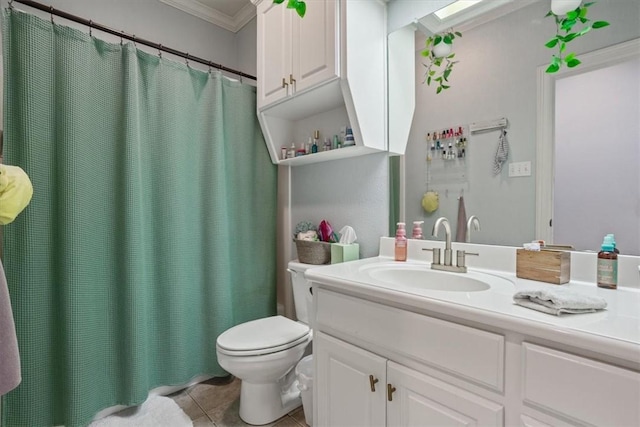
(421, 400)
(274, 52)
(351, 390)
(314, 44)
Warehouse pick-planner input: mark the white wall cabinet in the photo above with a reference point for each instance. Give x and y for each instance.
(333, 59)
(444, 373)
(295, 54)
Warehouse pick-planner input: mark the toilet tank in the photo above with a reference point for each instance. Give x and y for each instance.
(302, 296)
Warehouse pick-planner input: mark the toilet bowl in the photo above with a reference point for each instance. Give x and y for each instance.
(263, 352)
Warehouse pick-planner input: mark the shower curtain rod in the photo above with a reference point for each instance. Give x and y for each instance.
(91, 24)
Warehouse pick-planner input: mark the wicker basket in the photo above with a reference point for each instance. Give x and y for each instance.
(312, 252)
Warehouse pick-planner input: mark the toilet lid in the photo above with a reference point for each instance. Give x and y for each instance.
(261, 334)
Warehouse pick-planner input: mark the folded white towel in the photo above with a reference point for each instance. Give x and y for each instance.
(502, 153)
(559, 300)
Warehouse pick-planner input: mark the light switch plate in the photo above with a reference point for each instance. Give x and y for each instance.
(520, 169)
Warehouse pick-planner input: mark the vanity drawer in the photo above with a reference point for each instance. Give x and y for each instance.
(470, 353)
(585, 390)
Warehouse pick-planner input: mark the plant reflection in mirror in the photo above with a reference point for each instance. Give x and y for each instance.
(440, 60)
(564, 35)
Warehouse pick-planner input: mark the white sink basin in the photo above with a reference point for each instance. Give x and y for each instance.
(422, 277)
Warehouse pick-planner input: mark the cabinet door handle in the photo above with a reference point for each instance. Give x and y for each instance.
(372, 382)
(292, 81)
(390, 390)
(284, 83)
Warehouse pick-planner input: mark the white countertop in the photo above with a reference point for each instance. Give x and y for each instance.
(614, 331)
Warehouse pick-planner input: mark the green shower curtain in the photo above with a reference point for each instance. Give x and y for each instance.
(152, 225)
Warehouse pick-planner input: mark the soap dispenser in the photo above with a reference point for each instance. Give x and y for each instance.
(417, 230)
(401, 243)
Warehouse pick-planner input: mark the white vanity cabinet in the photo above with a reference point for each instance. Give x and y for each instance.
(362, 388)
(394, 362)
(352, 391)
(295, 53)
(325, 71)
(369, 385)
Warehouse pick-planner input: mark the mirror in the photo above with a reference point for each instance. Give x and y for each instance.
(496, 77)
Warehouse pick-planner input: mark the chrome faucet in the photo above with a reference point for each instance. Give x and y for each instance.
(447, 235)
(472, 222)
(460, 266)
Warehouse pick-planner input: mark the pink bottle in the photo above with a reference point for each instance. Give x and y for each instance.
(401, 243)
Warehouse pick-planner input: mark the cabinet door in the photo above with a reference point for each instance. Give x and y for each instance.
(344, 395)
(274, 52)
(421, 400)
(314, 44)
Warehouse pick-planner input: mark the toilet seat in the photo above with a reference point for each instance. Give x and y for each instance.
(262, 336)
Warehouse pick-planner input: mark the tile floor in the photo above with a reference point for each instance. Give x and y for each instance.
(216, 403)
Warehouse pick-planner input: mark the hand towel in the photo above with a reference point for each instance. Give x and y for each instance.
(461, 229)
(502, 153)
(557, 301)
(15, 192)
(9, 357)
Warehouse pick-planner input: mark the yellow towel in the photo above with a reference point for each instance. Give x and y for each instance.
(15, 192)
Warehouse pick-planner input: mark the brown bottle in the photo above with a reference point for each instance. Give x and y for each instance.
(607, 267)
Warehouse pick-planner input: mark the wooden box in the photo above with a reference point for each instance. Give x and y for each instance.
(545, 265)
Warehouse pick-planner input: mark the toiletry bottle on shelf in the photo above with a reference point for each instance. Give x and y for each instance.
(417, 230)
(292, 151)
(607, 266)
(401, 243)
(316, 137)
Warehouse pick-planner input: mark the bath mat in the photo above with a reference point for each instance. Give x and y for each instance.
(156, 411)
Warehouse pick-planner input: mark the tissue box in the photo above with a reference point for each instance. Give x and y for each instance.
(545, 266)
(341, 252)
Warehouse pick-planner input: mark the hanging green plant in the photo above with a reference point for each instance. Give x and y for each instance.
(565, 34)
(298, 5)
(439, 59)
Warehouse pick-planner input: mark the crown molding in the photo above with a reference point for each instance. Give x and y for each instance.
(199, 10)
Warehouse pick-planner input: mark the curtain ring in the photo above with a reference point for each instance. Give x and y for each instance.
(186, 60)
(160, 51)
(11, 4)
(210, 70)
(134, 41)
(121, 34)
(90, 27)
(51, 13)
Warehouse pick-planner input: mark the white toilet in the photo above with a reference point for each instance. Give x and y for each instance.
(263, 353)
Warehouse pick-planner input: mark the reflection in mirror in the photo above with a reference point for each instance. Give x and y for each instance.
(496, 77)
(592, 169)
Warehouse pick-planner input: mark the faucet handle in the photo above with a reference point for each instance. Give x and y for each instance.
(436, 255)
(460, 257)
